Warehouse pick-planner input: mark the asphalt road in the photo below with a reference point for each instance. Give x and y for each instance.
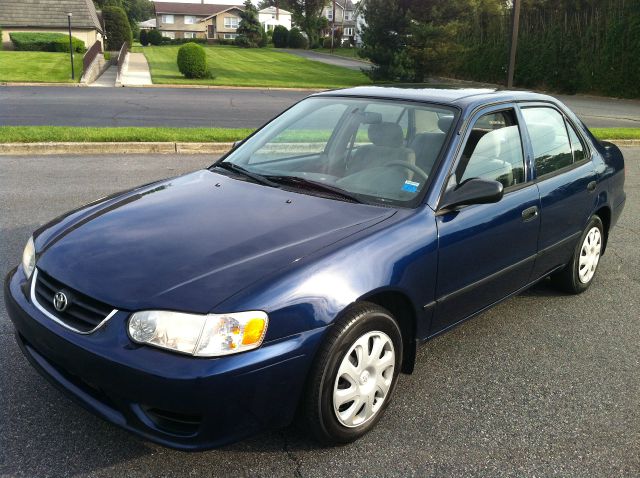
(544, 384)
(229, 108)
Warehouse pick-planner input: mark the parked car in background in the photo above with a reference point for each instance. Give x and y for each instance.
(301, 271)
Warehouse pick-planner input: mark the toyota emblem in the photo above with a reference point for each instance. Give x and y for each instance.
(60, 301)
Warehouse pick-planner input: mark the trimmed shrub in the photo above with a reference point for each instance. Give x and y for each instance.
(154, 37)
(36, 41)
(182, 41)
(280, 36)
(192, 61)
(118, 28)
(144, 41)
(297, 39)
(242, 41)
(326, 43)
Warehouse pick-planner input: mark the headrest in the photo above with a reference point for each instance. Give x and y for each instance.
(444, 123)
(386, 134)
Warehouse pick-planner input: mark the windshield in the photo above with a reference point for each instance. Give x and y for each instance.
(372, 150)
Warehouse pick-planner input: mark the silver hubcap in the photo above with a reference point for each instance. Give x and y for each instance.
(589, 255)
(364, 379)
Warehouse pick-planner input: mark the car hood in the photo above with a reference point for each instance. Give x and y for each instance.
(190, 242)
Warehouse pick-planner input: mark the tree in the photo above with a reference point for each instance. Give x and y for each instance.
(249, 31)
(144, 41)
(280, 36)
(307, 14)
(385, 39)
(117, 26)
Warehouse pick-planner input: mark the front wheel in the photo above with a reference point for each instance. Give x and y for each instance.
(577, 276)
(354, 375)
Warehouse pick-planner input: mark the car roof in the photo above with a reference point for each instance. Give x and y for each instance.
(460, 97)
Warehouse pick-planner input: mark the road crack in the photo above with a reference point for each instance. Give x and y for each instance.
(297, 472)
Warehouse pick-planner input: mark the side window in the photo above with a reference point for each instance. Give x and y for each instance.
(493, 151)
(579, 151)
(549, 139)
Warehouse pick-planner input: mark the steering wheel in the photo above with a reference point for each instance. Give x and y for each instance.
(409, 166)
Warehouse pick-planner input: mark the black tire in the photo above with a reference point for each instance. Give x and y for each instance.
(317, 407)
(568, 279)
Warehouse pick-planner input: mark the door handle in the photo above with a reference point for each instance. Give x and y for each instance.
(530, 213)
(592, 186)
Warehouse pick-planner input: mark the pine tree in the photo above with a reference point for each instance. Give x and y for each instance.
(249, 31)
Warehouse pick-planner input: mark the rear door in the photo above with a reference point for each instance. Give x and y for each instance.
(487, 251)
(566, 179)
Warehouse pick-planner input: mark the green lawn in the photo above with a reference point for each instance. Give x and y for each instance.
(38, 67)
(233, 66)
(58, 134)
(616, 133)
(61, 134)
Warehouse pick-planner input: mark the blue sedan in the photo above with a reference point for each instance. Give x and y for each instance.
(299, 273)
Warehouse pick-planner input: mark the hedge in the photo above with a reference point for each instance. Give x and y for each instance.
(154, 37)
(192, 61)
(297, 39)
(36, 41)
(595, 48)
(280, 36)
(118, 28)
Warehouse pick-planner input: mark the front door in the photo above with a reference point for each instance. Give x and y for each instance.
(211, 31)
(487, 251)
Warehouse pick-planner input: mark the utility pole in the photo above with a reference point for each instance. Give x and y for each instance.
(333, 25)
(73, 73)
(514, 42)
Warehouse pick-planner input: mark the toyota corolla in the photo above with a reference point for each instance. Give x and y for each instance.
(299, 273)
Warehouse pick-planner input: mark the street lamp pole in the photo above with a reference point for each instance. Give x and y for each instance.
(514, 42)
(73, 73)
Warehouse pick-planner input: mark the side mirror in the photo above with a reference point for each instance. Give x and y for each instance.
(473, 191)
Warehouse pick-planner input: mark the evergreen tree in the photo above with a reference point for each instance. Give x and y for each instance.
(249, 30)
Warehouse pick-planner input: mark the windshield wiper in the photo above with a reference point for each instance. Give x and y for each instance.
(316, 185)
(245, 172)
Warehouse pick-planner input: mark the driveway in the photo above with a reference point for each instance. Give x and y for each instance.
(228, 108)
(544, 384)
(330, 59)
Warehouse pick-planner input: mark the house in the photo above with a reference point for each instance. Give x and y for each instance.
(271, 17)
(50, 16)
(197, 20)
(345, 18)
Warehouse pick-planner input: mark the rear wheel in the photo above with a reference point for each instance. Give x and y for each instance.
(354, 375)
(577, 276)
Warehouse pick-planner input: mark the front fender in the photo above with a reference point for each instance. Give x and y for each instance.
(399, 256)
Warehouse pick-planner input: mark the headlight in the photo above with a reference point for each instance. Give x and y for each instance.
(29, 258)
(200, 335)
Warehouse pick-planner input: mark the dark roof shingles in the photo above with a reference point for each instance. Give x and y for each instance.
(48, 13)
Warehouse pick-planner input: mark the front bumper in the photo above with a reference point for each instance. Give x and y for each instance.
(178, 401)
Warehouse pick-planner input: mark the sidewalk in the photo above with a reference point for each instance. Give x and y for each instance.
(136, 72)
(107, 79)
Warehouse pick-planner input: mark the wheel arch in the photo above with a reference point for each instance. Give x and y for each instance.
(604, 213)
(403, 311)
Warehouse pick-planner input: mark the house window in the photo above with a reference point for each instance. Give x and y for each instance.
(231, 22)
(189, 34)
(348, 31)
(171, 35)
(330, 14)
(348, 16)
(230, 36)
(168, 19)
(190, 20)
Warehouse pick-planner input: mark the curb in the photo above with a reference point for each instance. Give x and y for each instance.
(41, 149)
(186, 87)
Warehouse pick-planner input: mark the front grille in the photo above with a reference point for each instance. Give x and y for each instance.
(83, 313)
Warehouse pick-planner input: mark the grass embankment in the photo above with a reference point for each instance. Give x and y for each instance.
(39, 67)
(616, 133)
(233, 66)
(60, 134)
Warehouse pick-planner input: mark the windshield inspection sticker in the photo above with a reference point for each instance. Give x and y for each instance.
(410, 186)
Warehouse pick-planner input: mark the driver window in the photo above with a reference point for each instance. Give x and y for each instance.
(493, 151)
